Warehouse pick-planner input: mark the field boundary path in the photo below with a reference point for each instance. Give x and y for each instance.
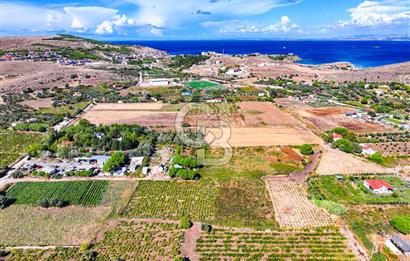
(189, 245)
(298, 176)
(354, 245)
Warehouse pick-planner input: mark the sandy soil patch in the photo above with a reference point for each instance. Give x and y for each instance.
(16, 76)
(271, 136)
(257, 114)
(293, 208)
(39, 103)
(327, 118)
(143, 118)
(337, 162)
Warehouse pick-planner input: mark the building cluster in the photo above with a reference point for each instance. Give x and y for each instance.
(31, 56)
(94, 164)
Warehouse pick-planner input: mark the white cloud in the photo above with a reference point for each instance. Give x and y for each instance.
(378, 13)
(285, 25)
(32, 18)
(24, 17)
(168, 13)
(88, 17)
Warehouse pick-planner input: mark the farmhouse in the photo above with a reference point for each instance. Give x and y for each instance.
(378, 186)
(367, 149)
(401, 244)
(156, 82)
(336, 136)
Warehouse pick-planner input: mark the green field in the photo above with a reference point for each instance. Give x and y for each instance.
(349, 192)
(163, 199)
(14, 145)
(231, 244)
(85, 193)
(201, 84)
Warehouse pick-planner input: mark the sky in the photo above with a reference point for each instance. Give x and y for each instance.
(206, 19)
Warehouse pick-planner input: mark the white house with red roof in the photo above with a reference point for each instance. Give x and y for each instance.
(367, 149)
(378, 186)
(336, 136)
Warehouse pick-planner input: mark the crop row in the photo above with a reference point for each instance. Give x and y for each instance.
(234, 244)
(72, 192)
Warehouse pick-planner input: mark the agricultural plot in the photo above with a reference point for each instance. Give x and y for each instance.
(163, 199)
(366, 221)
(293, 208)
(144, 114)
(335, 162)
(14, 145)
(22, 225)
(86, 193)
(58, 254)
(349, 192)
(140, 241)
(235, 244)
(270, 136)
(327, 118)
(202, 84)
(260, 114)
(392, 148)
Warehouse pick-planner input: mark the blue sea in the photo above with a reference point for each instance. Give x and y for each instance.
(360, 53)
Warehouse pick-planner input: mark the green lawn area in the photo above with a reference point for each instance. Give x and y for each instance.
(201, 84)
(394, 121)
(14, 144)
(86, 193)
(349, 192)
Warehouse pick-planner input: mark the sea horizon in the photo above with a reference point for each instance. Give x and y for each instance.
(361, 53)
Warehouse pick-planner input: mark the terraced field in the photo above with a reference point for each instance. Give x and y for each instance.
(73, 192)
(236, 244)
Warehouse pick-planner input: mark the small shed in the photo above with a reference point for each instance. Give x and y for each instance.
(401, 244)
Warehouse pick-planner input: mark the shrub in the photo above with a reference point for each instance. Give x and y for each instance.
(306, 149)
(17, 175)
(185, 223)
(377, 157)
(117, 159)
(3, 201)
(85, 246)
(401, 224)
(187, 174)
(206, 227)
(44, 203)
(378, 257)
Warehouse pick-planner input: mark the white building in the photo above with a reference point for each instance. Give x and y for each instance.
(378, 186)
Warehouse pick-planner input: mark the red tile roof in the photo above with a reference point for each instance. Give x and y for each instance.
(336, 136)
(377, 184)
